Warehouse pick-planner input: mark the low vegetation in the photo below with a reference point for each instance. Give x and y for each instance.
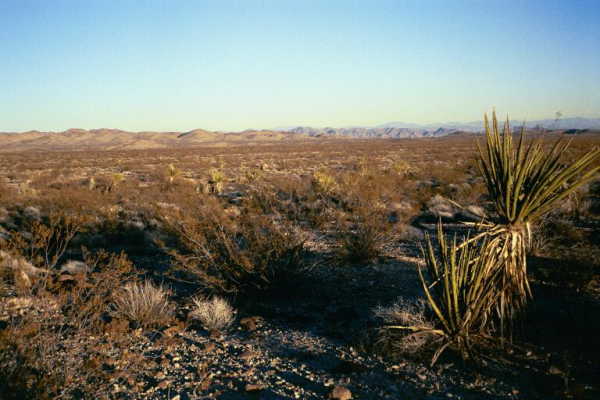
(144, 303)
(214, 314)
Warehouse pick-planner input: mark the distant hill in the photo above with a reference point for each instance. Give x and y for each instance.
(115, 139)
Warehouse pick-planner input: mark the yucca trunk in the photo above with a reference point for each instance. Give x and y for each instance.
(508, 245)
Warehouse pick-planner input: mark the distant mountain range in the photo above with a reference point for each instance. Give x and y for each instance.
(115, 139)
(375, 132)
(411, 130)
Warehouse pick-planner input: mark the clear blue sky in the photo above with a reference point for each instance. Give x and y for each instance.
(232, 65)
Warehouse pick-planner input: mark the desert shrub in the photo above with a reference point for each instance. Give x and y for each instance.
(54, 340)
(45, 241)
(5, 193)
(402, 167)
(251, 175)
(87, 298)
(37, 361)
(214, 314)
(28, 256)
(362, 239)
(227, 254)
(115, 180)
(143, 303)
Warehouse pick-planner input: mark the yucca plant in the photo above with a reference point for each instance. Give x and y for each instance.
(172, 173)
(324, 182)
(216, 180)
(525, 182)
(461, 290)
(460, 287)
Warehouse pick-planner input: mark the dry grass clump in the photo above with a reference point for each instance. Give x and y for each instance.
(405, 313)
(215, 314)
(143, 303)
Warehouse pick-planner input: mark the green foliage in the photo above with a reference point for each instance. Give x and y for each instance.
(461, 290)
(525, 181)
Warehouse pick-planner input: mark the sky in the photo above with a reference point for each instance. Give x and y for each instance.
(232, 65)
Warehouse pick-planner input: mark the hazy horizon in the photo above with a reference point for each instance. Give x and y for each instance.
(550, 122)
(231, 66)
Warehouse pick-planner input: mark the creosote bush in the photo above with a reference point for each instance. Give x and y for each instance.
(54, 340)
(361, 240)
(46, 240)
(224, 253)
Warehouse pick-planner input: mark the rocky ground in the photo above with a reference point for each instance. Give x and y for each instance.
(314, 339)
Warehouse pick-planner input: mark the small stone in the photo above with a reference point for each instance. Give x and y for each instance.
(254, 387)
(163, 385)
(65, 278)
(554, 370)
(340, 393)
(205, 384)
(172, 331)
(248, 323)
(209, 347)
(74, 267)
(247, 356)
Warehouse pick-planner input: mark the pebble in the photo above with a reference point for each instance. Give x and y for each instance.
(340, 393)
(254, 387)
